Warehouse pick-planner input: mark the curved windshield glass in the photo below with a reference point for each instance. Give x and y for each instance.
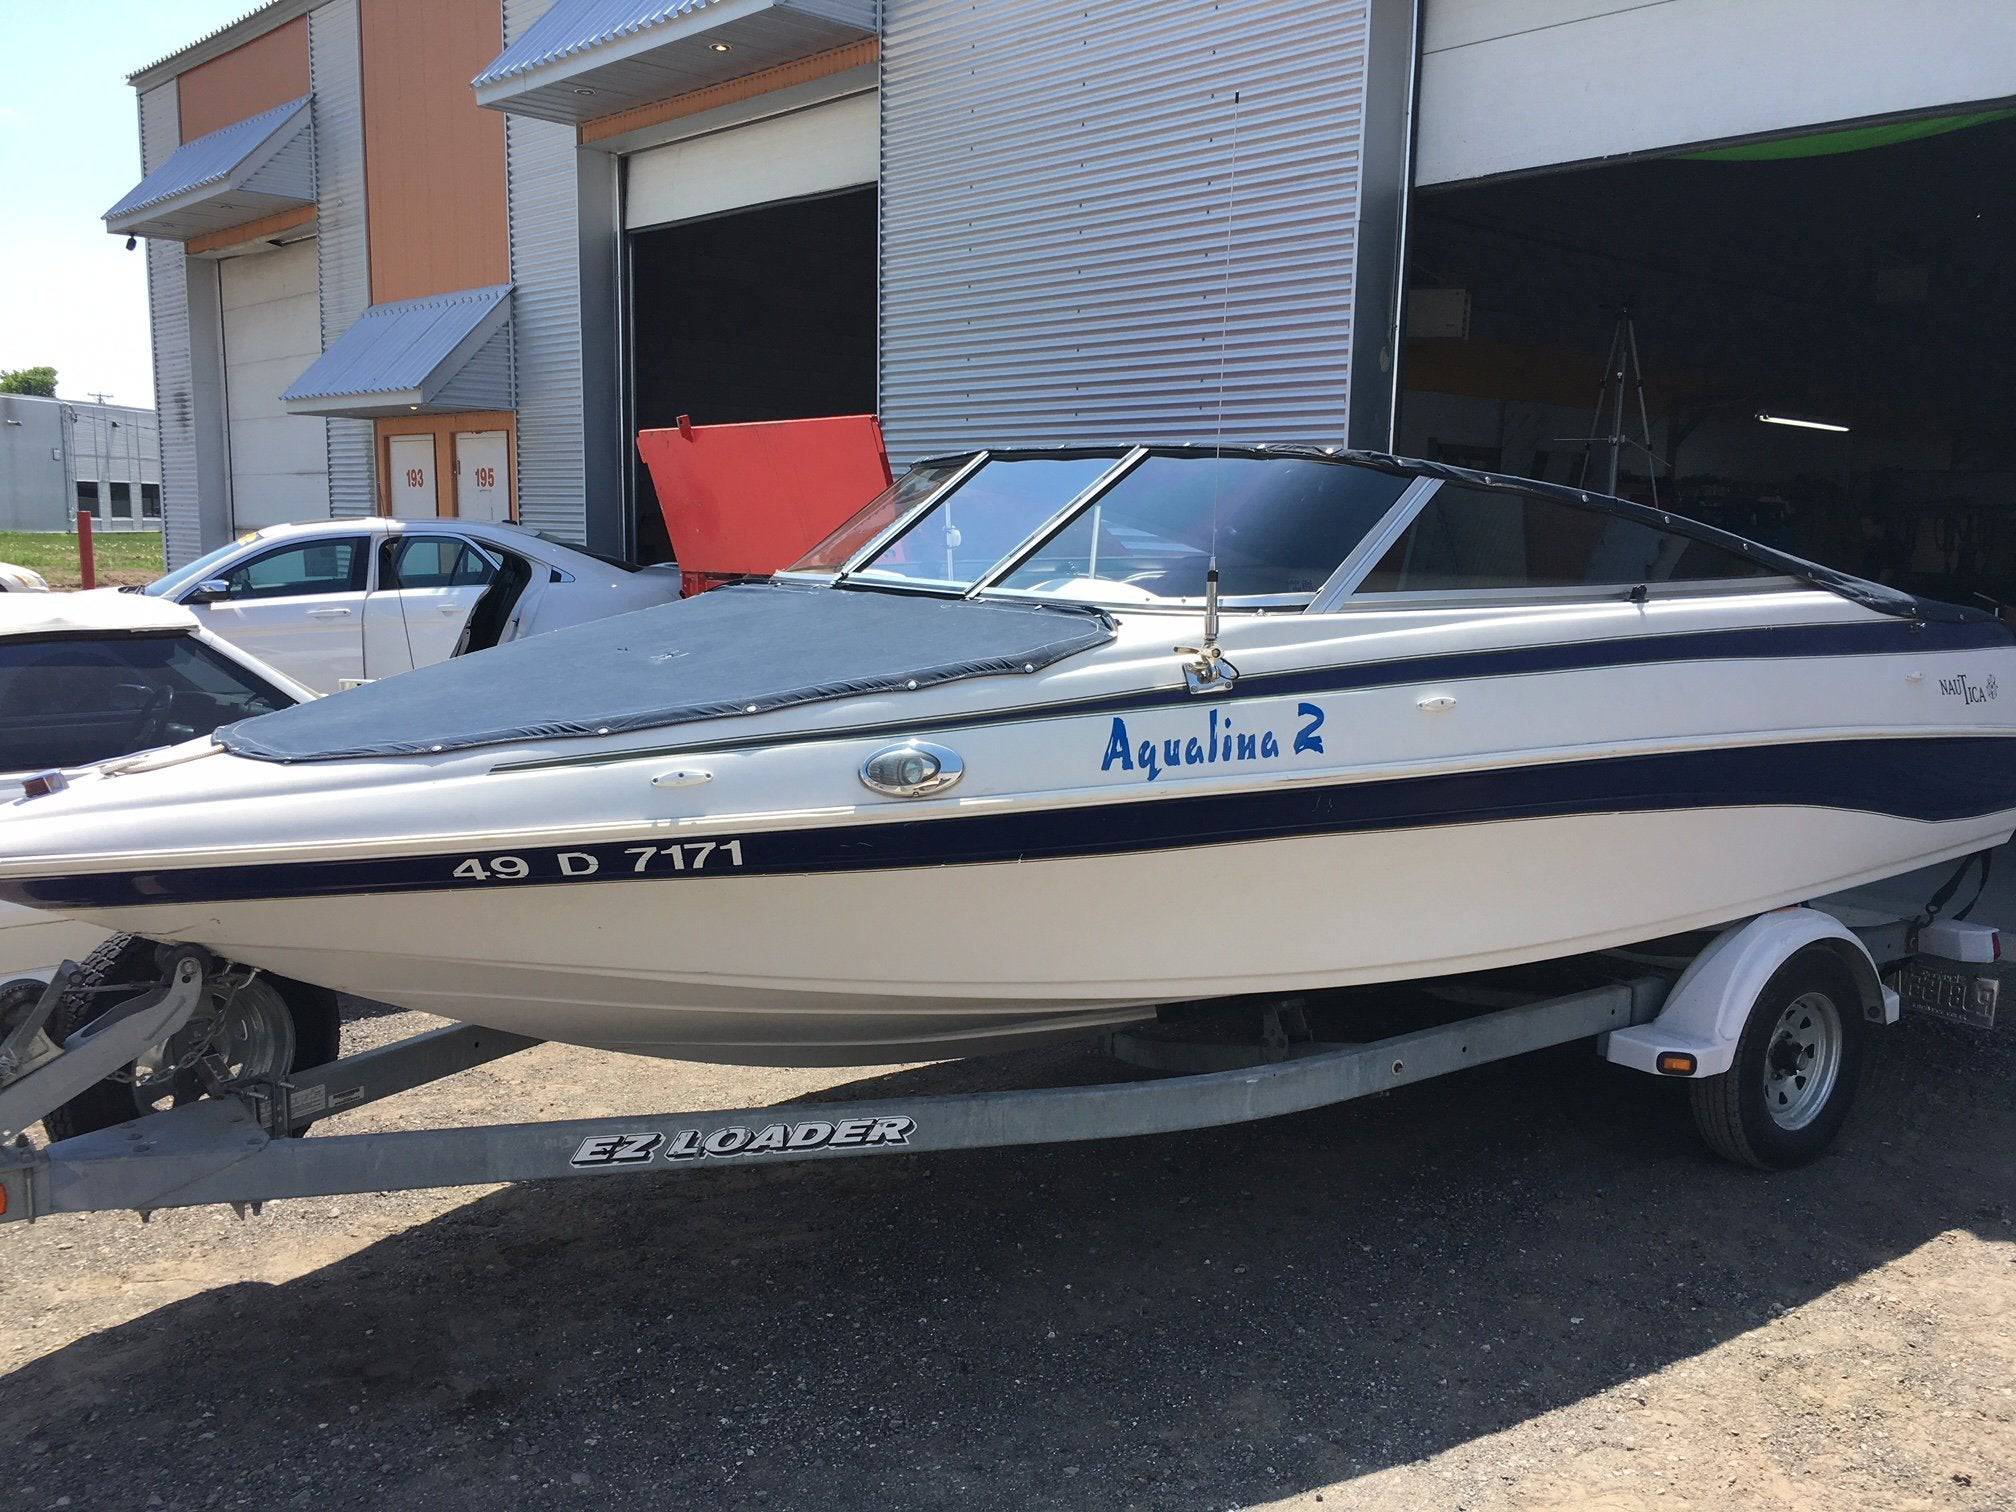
(889, 506)
(982, 521)
(194, 572)
(1280, 526)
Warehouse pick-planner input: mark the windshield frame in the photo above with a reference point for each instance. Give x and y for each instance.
(963, 465)
(1355, 563)
(1117, 468)
(1339, 593)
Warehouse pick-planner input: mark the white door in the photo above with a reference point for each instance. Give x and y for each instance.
(272, 331)
(299, 607)
(483, 476)
(427, 584)
(414, 493)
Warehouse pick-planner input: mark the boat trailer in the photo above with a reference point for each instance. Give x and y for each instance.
(240, 1146)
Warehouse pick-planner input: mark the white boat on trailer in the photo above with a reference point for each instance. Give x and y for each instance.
(1045, 740)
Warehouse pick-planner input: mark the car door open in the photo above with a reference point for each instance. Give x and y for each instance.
(427, 584)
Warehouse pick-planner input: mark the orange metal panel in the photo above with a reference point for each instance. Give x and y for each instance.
(747, 500)
(269, 70)
(258, 230)
(433, 159)
(804, 71)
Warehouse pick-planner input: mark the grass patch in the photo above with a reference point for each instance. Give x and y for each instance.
(125, 556)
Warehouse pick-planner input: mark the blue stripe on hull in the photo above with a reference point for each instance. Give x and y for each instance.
(1932, 779)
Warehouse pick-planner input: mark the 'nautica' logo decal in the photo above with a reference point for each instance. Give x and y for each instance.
(1967, 690)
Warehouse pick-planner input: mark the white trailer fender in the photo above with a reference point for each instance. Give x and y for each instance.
(1704, 1014)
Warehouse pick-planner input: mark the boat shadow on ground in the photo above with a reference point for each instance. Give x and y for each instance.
(1196, 1320)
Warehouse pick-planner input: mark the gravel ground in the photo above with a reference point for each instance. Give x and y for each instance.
(1525, 1285)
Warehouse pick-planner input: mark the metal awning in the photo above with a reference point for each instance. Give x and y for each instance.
(590, 58)
(432, 355)
(252, 168)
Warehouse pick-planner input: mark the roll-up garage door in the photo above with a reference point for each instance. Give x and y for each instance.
(272, 331)
(812, 151)
(1513, 85)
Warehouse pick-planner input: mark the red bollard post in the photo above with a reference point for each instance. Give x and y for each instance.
(87, 558)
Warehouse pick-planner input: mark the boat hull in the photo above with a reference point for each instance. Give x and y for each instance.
(957, 960)
(1382, 797)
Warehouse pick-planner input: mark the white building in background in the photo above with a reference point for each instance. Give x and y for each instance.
(59, 456)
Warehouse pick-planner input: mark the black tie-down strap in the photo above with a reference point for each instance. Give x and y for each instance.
(1951, 885)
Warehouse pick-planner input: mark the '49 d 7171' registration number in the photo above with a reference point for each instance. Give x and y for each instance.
(607, 860)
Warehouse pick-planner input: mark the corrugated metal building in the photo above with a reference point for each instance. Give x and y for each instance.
(59, 456)
(391, 245)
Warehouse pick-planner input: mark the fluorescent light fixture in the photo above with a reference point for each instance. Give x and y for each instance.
(1825, 425)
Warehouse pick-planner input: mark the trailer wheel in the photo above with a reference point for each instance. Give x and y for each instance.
(269, 1027)
(1784, 1098)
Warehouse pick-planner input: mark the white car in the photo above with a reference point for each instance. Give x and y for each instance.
(21, 579)
(86, 677)
(335, 602)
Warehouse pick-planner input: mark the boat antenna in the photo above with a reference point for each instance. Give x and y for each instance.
(1210, 672)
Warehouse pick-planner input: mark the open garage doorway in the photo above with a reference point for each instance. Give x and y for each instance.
(1856, 280)
(759, 314)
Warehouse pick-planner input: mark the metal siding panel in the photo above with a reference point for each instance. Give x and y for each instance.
(290, 172)
(342, 248)
(1054, 228)
(540, 166)
(168, 309)
(484, 381)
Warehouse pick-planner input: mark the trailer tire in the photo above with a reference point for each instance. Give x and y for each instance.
(311, 1012)
(1798, 1062)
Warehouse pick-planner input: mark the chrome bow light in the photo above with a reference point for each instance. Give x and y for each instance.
(914, 769)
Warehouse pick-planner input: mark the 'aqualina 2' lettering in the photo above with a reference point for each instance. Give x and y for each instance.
(1221, 741)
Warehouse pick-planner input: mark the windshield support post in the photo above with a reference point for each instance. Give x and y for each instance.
(1058, 521)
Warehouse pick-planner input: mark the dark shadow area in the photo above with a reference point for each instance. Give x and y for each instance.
(763, 314)
(1189, 1321)
(1859, 281)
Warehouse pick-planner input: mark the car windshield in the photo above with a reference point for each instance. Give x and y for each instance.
(70, 700)
(1117, 527)
(196, 571)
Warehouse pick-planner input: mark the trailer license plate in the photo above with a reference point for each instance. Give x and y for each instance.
(1959, 997)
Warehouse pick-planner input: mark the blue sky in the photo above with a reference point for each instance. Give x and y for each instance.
(70, 295)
